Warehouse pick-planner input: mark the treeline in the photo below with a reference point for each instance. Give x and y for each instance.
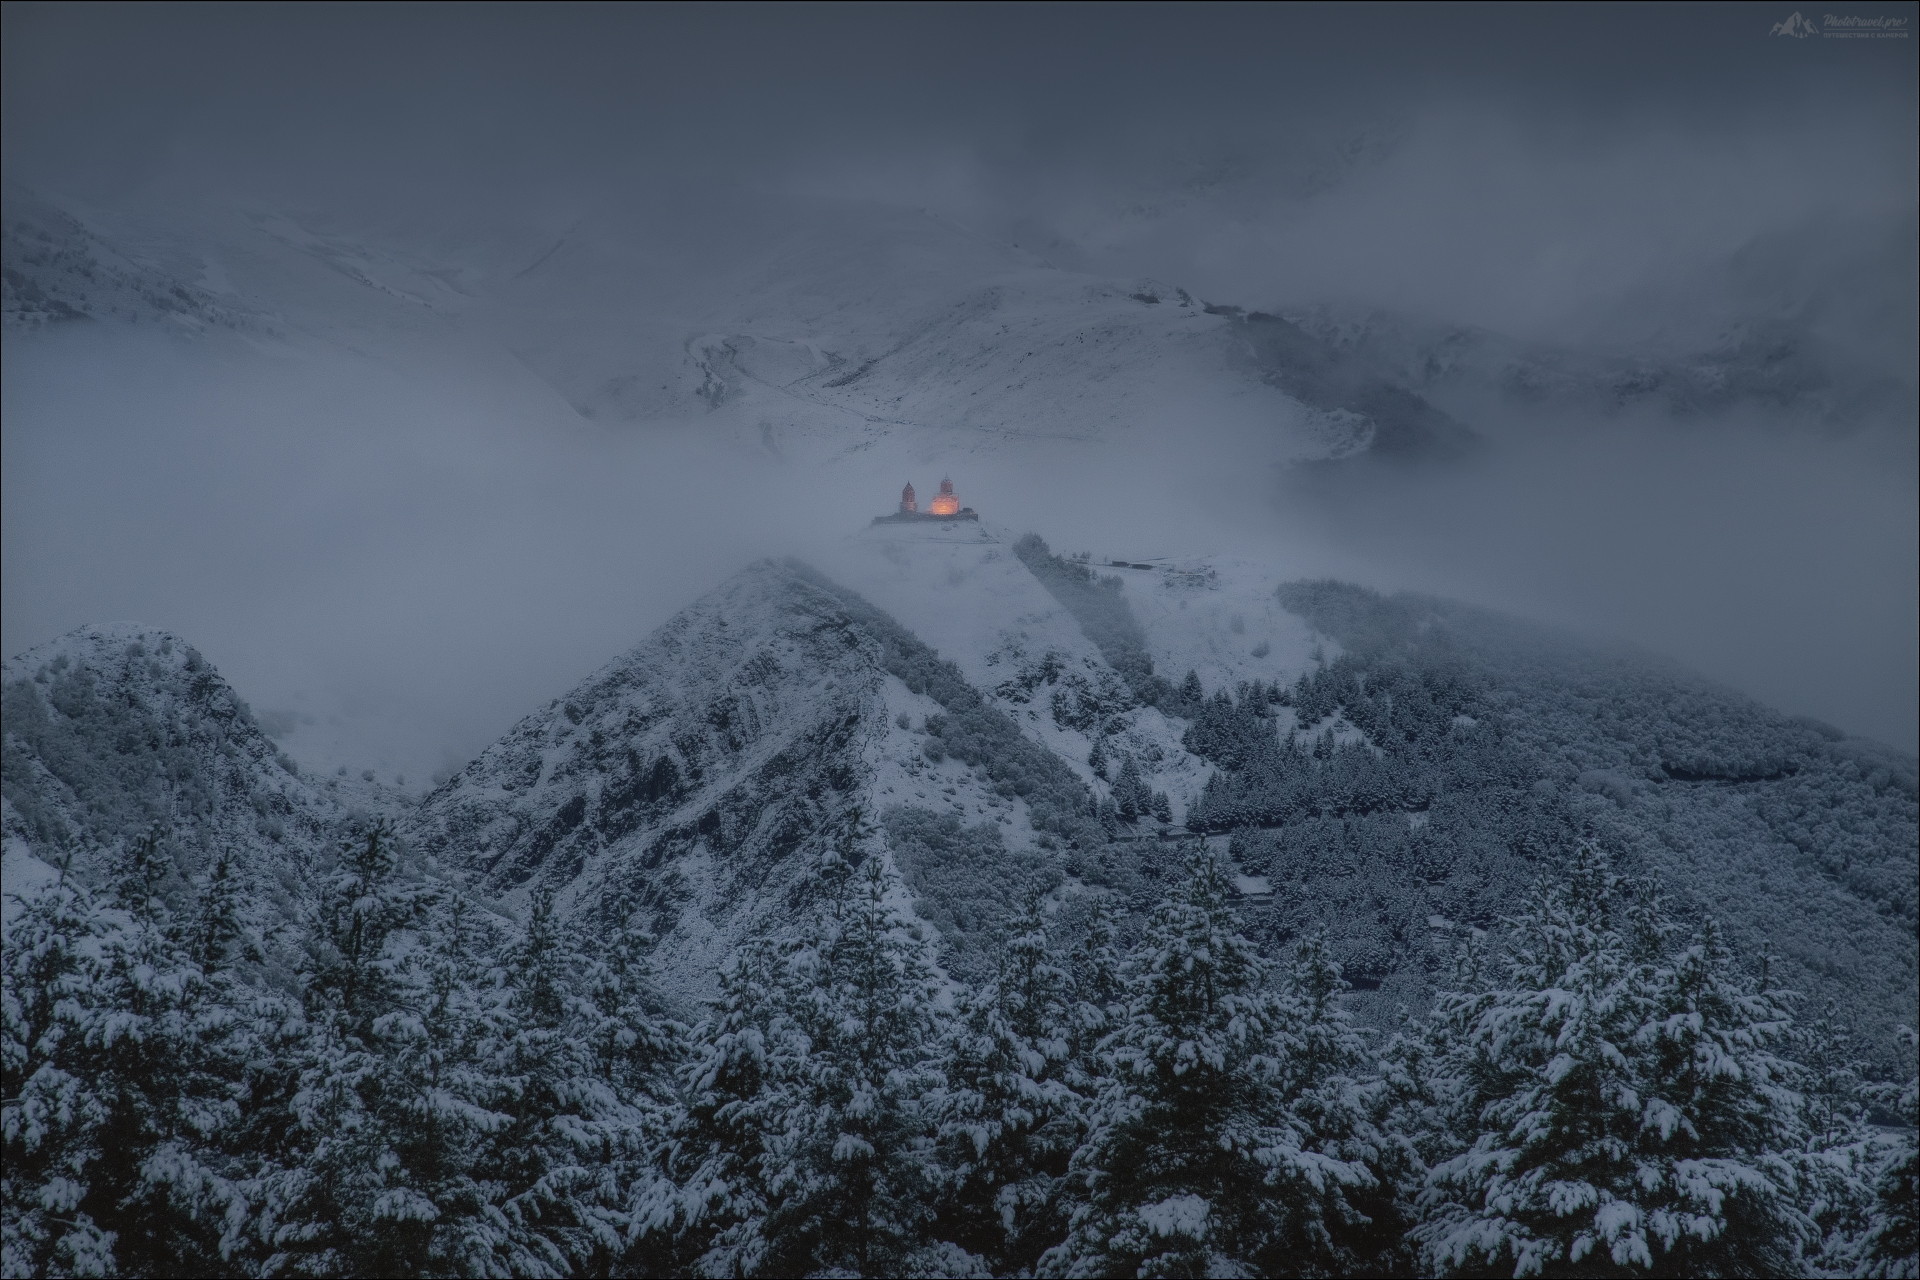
(1428, 733)
(446, 1094)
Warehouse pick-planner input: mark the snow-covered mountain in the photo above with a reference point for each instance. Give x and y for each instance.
(822, 330)
(118, 731)
(933, 695)
(948, 685)
(831, 329)
(697, 781)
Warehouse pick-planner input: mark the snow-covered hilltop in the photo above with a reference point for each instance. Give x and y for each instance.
(694, 781)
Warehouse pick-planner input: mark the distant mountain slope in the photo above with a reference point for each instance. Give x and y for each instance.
(824, 327)
(54, 270)
(964, 590)
(1495, 746)
(111, 732)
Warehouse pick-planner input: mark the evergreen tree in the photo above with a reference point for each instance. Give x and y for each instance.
(122, 1072)
(218, 930)
(705, 1210)
(1626, 1111)
(1101, 992)
(1130, 795)
(1892, 1245)
(53, 1116)
(1836, 1169)
(803, 1144)
(369, 1167)
(1190, 1130)
(1007, 1124)
(849, 1176)
(1333, 1101)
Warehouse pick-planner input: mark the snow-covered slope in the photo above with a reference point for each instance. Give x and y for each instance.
(115, 731)
(1780, 357)
(1217, 616)
(819, 329)
(960, 588)
(694, 784)
(60, 271)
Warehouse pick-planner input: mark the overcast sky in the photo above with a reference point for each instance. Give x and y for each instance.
(1590, 175)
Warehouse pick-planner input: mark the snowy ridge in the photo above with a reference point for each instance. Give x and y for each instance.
(841, 328)
(693, 784)
(962, 590)
(58, 270)
(119, 730)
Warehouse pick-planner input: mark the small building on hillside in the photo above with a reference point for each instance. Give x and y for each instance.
(945, 506)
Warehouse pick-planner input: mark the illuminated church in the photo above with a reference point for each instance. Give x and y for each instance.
(945, 506)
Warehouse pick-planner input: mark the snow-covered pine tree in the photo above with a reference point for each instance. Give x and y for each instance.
(441, 1100)
(1007, 1123)
(365, 1161)
(848, 1173)
(217, 931)
(1162, 807)
(1100, 990)
(1892, 1246)
(1097, 758)
(1130, 795)
(634, 1048)
(1835, 1170)
(52, 1116)
(1623, 1111)
(554, 1157)
(1189, 1131)
(122, 1072)
(704, 1210)
(1334, 1099)
(1720, 1122)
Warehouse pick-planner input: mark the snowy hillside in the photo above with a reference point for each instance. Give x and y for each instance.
(58, 271)
(696, 783)
(116, 731)
(1779, 357)
(1394, 770)
(833, 329)
(961, 589)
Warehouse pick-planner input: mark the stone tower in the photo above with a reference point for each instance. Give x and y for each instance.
(907, 505)
(945, 504)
